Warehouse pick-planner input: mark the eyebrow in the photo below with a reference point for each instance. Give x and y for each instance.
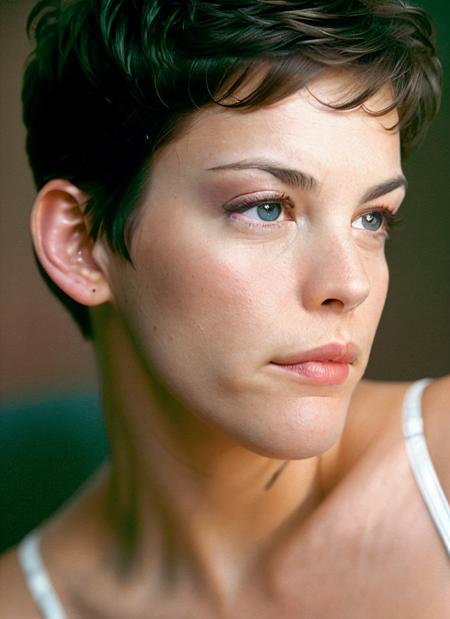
(288, 176)
(383, 188)
(306, 182)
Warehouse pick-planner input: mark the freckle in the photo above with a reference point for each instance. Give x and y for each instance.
(154, 328)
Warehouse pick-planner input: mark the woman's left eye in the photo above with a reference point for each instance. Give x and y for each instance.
(373, 221)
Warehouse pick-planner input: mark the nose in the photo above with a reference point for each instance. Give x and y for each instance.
(336, 277)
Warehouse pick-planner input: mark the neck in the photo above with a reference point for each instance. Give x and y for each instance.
(182, 496)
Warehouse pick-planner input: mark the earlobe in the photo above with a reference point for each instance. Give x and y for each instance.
(63, 244)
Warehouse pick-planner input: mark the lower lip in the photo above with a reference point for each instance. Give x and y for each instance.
(318, 372)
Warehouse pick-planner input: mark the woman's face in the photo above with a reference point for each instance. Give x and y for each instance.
(262, 239)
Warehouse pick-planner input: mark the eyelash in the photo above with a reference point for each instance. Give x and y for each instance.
(391, 218)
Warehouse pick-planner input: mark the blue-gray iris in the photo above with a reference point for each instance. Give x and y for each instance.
(269, 211)
(372, 221)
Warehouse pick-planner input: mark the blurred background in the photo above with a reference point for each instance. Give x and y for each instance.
(41, 349)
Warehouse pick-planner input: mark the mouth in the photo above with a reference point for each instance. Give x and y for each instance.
(327, 365)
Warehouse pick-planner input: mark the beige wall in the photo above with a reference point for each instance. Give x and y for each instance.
(41, 348)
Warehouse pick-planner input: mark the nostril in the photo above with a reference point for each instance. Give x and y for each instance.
(331, 301)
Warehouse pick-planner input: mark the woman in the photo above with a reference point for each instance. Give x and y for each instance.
(216, 184)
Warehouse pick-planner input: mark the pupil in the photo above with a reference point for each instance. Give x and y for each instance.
(372, 221)
(269, 211)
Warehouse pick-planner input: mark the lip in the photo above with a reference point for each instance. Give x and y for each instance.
(334, 351)
(325, 365)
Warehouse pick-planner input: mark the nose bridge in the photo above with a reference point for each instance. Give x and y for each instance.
(337, 273)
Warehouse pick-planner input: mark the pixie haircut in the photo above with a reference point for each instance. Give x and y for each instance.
(111, 81)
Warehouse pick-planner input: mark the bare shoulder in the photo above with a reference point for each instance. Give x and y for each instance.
(374, 412)
(15, 601)
(378, 396)
(375, 415)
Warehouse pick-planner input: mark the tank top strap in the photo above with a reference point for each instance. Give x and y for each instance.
(420, 461)
(37, 578)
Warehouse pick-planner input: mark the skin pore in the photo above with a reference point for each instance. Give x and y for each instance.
(200, 419)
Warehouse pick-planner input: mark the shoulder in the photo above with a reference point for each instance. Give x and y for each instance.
(375, 415)
(376, 402)
(15, 600)
(373, 482)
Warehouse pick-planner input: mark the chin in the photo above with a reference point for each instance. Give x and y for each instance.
(296, 430)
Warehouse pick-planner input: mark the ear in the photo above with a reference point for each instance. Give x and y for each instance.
(63, 244)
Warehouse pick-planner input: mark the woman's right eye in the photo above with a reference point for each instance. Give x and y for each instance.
(266, 210)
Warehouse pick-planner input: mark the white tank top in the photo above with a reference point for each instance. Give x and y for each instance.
(44, 595)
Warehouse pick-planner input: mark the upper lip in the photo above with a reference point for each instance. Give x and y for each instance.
(334, 351)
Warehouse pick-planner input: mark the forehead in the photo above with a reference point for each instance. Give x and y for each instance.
(301, 128)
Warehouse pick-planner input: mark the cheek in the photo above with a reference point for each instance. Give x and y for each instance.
(199, 312)
(203, 294)
(372, 307)
(380, 284)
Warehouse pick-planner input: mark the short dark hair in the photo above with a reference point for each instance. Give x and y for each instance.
(110, 81)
